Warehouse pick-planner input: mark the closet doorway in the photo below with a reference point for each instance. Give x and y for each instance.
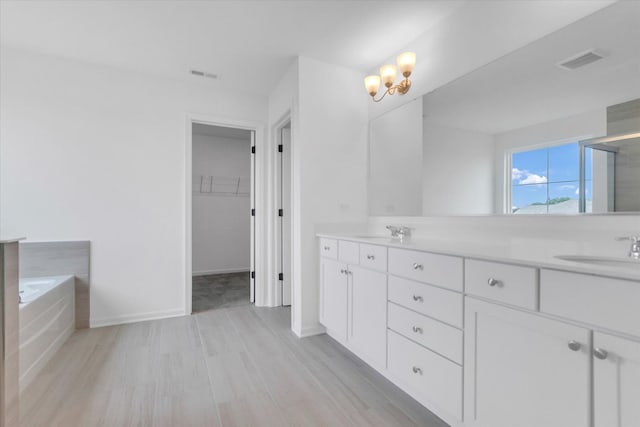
(222, 217)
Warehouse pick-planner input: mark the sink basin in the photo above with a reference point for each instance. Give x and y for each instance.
(600, 260)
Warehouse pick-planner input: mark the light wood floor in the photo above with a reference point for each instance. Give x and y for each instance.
(238, 366)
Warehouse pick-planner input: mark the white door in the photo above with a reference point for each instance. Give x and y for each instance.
(285, 216)
(333, 298)
(524, 370)
(616, 383)
(252, 220)
(367, 315)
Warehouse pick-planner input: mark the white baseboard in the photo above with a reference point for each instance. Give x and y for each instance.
(309, 331)
(221, 271)
(132, 318)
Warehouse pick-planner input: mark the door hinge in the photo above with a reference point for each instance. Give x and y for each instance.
(253, 212)
(253, 274)
(280, 276)
(280, 212)
(253, 149)
(280, 148)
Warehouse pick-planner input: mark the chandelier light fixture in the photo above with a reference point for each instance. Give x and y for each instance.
(406, 63)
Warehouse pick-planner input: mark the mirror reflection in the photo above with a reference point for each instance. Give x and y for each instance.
(506, 138)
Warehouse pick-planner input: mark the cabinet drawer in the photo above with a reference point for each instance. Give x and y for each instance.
(439, 270)
(328, 248)
(427, 376)
(602, 301)
(442, 339)
(511, 284)
(438, 303)
(348, 252)
(373, 257)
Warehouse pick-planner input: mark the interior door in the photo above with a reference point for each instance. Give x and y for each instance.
(285, 217)
(252, 220)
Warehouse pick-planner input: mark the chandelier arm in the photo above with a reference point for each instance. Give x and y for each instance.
(383, 95)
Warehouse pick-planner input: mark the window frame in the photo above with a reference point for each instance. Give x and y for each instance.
(508, 186)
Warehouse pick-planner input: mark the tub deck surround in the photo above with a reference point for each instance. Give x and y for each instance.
(520, 251)
(42, 259)
(447, 310)
(9, 388)
(46, 321)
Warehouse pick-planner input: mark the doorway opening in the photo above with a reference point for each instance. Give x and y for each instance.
(222, 217)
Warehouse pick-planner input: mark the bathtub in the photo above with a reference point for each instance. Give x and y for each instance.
(47, 319)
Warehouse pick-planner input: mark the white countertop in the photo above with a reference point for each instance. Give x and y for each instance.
(523, 251)
(10, 240)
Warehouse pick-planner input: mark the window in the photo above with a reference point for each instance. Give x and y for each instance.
(547, 180)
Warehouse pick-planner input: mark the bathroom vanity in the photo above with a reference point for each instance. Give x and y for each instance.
(485, 338)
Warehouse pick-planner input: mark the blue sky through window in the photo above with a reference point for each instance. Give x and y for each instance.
(544, 178)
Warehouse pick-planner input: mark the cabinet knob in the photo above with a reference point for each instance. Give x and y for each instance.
(417, 298)
(416, 370)
(574, 345)
(417, 266)
(349, 272)
(417, 329)
(343, 271)
(600, 353)
(371, 256)
(326, 248)
(492, 281)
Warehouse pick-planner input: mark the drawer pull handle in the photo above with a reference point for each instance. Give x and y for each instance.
(343, 271)
(371, 256)
(326, 248)
(600, 353)
(416, 370)
(574, 345)
(417, 329)
(417, 266)
(492, 281)
(417, 298)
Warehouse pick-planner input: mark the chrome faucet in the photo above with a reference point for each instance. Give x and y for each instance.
(634, 251)
(399, 232)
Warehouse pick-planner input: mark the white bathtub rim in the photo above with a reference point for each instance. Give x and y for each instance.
(58, 280)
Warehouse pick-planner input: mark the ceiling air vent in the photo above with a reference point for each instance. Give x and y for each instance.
(204, 74)
(580, 60)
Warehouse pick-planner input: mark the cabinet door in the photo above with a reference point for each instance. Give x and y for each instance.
(524, 370)
(616, 369)
(333, 298)
(368, 315)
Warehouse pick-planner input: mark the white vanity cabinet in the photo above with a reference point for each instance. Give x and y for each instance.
(333, 297)
(367, 323)
(353, 298)
(488, 343)
(524, 370)
(616, 381)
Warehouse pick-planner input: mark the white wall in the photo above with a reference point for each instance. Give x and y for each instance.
(329, 152)
(221, 223)
(570, 129)
(94, 153)
(459, 171)
(395, 161)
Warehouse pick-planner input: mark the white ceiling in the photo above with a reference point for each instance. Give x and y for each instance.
(248, 43)
(526, 87)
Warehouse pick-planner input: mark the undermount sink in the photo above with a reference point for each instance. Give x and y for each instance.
(372, 237)
(601, 260)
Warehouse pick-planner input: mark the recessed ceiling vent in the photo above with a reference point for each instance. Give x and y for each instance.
(580, 60)
(204, 74)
